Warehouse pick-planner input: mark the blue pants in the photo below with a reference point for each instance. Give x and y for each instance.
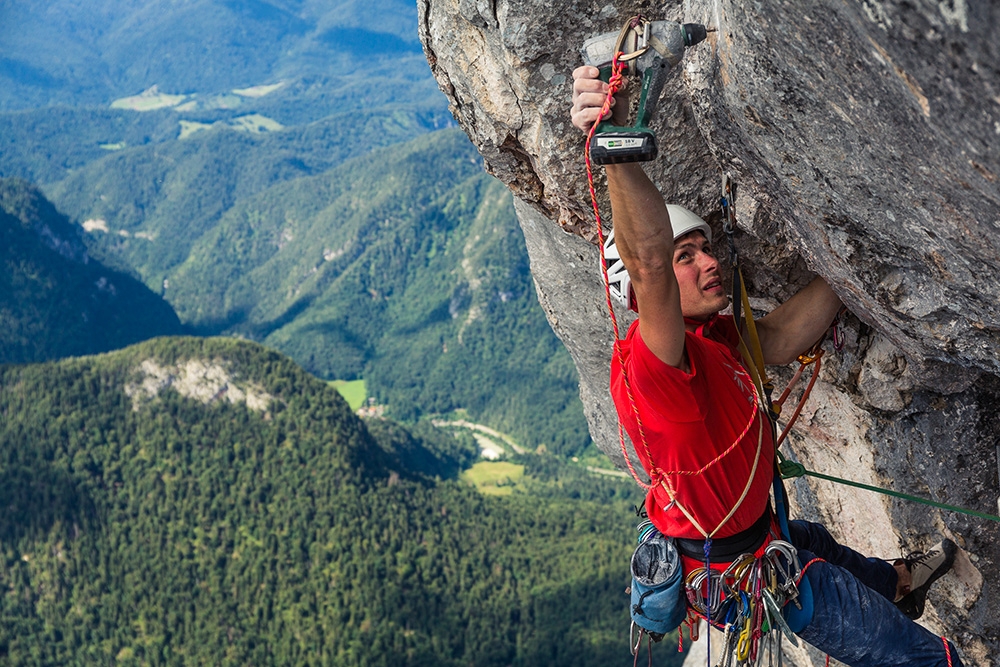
(855, 620)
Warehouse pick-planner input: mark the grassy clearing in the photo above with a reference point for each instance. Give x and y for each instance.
(256, 123)
(354, 392)
(258, 91)
(148, 100)
(494, 478)
(189, 127)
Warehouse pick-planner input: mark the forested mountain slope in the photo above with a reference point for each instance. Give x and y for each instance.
(272, 168)
(205, 501)
(157, 200)
(55, 300)
(404, 265)
(406, 268)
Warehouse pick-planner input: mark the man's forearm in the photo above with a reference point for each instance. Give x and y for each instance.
(642, 224)
(796, 324)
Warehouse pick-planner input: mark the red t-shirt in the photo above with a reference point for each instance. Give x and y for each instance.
(688, 420)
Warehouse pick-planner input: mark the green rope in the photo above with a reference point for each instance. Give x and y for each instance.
(789, 469)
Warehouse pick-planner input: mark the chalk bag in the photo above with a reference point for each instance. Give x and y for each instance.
(658, 604)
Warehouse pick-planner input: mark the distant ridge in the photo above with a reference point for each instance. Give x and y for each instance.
(64, 52)
(55, 300)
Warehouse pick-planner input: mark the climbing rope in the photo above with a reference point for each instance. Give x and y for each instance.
(813, 358)
(614, 85)
(656, 476)
(790, 469)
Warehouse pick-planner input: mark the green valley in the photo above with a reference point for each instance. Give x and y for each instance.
(287, 194)
(205, 501)
(281, 182)
(404, 266)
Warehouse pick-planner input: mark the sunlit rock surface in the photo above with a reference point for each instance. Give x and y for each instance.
(865, 140)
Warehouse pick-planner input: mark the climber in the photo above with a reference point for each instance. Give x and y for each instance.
(703, 441)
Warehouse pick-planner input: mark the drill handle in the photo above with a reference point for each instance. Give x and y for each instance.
(653, 79)
(606, 125)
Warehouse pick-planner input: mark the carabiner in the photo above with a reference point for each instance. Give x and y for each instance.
(743, 645)
(634, 643)
(640, 39)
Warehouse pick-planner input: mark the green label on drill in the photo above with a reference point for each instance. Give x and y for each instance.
(617, 143)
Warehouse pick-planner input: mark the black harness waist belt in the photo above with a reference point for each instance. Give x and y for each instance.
(726, 549)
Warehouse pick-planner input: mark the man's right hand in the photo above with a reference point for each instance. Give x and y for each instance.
(589, 93)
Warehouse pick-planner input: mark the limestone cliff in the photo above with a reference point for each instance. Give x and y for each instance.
(865, 139)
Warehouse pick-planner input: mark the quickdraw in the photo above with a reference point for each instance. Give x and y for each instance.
(745, 600)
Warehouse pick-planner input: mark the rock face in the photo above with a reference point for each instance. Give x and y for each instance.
(865, 140)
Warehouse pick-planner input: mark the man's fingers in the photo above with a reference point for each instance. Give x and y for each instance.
(589, 87)
(583, 119)
(591, 100)
(589, 95)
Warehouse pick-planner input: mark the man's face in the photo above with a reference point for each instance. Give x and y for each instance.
(698, 278)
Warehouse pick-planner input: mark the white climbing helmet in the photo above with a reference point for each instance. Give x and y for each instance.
(619, 283)
(682, 221)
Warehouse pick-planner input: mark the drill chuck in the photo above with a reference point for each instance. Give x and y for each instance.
(694, 33)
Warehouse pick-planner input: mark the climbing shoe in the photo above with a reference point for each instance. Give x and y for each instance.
(925, 569)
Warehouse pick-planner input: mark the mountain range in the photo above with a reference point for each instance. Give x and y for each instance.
(209, 210)
(293, 199)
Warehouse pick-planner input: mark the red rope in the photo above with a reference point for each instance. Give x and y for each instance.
(805, 567)
(721, 456)
(614, 85)
(947, 650)
(802, 401)
(788, 389)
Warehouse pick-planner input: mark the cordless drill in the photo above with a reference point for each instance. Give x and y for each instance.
(649, 48)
